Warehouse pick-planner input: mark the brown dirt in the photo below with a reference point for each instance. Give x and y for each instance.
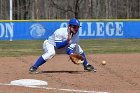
(121, 74)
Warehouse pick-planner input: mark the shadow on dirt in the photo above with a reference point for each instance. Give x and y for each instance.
(70, 72)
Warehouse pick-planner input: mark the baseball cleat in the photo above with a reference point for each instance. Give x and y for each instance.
(90, 68)
(94, 70)
(33, 70)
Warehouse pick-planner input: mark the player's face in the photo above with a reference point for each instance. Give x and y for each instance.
(74, 29)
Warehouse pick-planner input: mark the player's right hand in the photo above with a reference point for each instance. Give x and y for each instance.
(69, 36)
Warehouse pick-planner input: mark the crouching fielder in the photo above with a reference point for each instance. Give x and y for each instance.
(60, 38)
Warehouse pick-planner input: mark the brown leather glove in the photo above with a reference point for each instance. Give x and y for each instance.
(76, 58)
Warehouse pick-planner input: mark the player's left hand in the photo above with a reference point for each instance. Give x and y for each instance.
(77, 58)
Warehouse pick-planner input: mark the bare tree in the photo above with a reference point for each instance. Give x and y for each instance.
(4, 9)
(63, 9)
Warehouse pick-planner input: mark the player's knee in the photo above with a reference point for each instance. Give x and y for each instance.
(48, 55)
(52, 53)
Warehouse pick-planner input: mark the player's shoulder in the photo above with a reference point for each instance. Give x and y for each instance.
(61, 30)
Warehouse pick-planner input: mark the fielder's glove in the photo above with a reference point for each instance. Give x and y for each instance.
(77, 58)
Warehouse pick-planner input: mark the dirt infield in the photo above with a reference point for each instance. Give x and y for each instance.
(121, 74)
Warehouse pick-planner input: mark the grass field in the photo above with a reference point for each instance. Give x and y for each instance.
(111, 46)
(96, 46)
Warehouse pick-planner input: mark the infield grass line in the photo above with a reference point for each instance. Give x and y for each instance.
(90, 46)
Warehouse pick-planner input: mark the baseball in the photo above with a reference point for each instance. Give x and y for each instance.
(103, 62)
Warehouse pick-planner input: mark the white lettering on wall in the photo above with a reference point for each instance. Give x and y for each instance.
(99, 29)
(105, 29)
(1, 30)
(90, 33)
(63, 25)
(6, 30)
(109, 29)
(82, 32)
(119, 30)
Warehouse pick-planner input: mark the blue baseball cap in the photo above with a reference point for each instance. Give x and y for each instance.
(74, 21)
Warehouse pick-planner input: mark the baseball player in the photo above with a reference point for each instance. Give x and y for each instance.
(60, 38)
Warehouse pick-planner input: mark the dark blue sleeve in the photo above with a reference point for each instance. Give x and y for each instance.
(61, 44)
